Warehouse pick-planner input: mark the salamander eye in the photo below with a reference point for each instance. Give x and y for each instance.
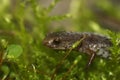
(56, 41)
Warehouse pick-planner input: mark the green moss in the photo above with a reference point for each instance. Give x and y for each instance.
(27, 23)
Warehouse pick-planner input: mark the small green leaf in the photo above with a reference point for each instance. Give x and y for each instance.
(14, 51)
(5, 69)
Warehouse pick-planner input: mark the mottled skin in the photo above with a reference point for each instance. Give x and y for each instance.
(92, 44)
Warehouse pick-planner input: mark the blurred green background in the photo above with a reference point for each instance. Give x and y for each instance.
(24, 24)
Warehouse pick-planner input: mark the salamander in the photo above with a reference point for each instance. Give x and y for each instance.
(93, 44)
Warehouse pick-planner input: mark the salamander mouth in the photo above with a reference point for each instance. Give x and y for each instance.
(57, 48)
